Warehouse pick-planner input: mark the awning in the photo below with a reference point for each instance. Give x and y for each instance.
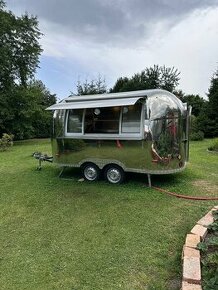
(95, 103)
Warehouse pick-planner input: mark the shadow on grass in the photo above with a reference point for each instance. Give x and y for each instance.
(137, 178)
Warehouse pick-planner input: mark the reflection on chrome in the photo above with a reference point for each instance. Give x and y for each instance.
(142, 131)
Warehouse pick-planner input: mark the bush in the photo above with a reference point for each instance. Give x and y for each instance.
(209, 256)
(197, 136)
(6, 142)
(214, 146)
(195, 132)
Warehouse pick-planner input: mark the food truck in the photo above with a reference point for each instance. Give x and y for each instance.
(142, 131)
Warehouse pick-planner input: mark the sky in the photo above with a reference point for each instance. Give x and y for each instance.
(83, 39)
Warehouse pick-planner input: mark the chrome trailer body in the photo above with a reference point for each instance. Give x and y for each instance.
(141, 131)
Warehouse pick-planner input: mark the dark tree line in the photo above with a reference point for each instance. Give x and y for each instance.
(22, 99)
(204, 112)
(158, 77)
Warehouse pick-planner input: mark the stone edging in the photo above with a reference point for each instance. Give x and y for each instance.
(191, 274)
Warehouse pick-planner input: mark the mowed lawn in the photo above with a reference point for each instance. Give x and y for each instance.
(65, 234)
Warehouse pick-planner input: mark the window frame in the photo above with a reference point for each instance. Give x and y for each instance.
(87, 134)
(66, 133)
(141, 120)
(107, 136)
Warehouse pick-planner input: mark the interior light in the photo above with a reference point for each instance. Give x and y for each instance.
(97, 112)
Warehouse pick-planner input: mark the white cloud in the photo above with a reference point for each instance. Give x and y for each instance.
(191, 46)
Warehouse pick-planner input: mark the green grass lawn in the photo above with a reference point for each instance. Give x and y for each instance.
(65, 234)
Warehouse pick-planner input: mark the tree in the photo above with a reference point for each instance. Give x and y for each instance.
(198, 117)
(27, 117)
(205, 111)
(95, 86)
(41, 119)
(204, 123)
(213, 105)
(196, 102)
(120, 85)
(22, 99)
(19, 47)
(156, 77)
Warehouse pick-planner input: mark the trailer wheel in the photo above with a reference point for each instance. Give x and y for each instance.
(114, 174)
(91, 172)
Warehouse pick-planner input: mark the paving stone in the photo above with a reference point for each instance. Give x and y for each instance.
(200, 231)
(188, 286)
(190, 252)
(192, 240)
(192, 270)
(206, 220)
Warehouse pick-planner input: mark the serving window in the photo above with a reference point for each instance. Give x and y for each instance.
(102, 120)
(106, 121)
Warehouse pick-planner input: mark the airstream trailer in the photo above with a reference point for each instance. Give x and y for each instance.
(140, 131)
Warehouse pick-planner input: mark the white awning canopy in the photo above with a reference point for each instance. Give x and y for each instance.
(79, 104)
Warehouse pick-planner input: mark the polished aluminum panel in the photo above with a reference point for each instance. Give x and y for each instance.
(163, 104)
(159, 146)
(131, 155)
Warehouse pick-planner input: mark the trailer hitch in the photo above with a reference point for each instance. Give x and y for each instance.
(42, 157)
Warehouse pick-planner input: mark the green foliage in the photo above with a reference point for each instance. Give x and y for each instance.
(195, 133)
(214, 146)
(65, 234)
(195, 101)
(202, 247)
(210, 283)
(205, 111)
(209, 257)
(213, 103)
(156, 77)
(22, 99)
(200, 123)
(6, 142)
(204, 121)
(213, 241)
(27, 104)
(20, 48)
(213, 227)
(197, 136)
(42, 98)
(215, 215)
(96, 86)
(193, 125)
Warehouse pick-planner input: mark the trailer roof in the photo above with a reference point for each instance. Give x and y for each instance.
(121, 95)
(113, 99)
(95, 103)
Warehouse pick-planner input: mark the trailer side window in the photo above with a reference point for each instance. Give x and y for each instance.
(74, 122)
(131, 119)
(102, 120)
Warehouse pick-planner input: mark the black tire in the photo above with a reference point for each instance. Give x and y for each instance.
(114, 174)
(91, 172)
